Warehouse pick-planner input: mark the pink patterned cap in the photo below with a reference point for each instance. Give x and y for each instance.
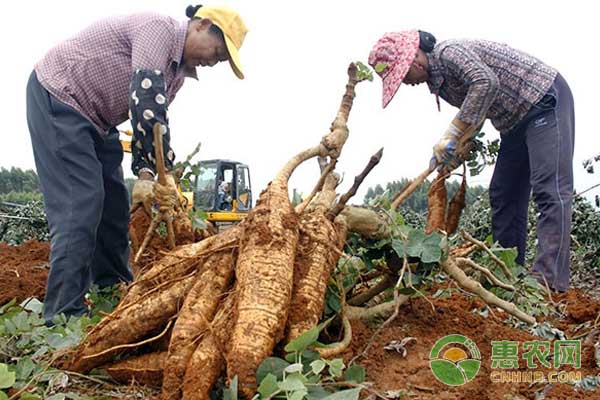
(391, 57)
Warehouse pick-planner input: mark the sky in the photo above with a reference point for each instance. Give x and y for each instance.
(295, 58)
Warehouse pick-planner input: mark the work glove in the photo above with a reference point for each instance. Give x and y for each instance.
(142, 196)
(167, 196)
(444, 151)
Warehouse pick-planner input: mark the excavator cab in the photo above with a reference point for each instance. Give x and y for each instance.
(222, 189)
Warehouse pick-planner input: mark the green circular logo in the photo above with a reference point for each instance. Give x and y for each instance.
(454, 360)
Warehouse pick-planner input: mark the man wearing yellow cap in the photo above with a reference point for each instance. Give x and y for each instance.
(117, 68)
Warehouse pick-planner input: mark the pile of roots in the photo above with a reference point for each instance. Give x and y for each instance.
(220, 306)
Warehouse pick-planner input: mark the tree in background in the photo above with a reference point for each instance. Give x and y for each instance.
(19, 186)
(418, 201)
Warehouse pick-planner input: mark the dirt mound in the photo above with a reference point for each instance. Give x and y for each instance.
(23, 270)
(457, 314)
(580, 307)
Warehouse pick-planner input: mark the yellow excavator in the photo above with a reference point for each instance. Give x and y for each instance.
(221, 189)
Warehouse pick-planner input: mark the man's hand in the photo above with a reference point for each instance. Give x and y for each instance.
(444, 151)
(142, 195)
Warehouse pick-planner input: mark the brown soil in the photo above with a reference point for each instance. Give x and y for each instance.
(23, 270)
(138, 227)
(388, 370)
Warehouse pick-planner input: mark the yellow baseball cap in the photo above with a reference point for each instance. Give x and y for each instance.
(234, 30)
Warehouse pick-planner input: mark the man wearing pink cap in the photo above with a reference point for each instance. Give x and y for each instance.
(528, 102)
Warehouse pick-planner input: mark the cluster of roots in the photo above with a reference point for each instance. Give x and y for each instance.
(220, 306)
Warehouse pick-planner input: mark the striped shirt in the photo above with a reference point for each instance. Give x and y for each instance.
(92, 72)
(488, 80)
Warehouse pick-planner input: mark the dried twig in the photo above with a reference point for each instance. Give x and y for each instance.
(474, 287)
(461, 262)
(373, 161)
(482, 246)
(368, 294)
(398, 300)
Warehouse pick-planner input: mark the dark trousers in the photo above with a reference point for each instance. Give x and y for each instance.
(85, 198)
(537, 156)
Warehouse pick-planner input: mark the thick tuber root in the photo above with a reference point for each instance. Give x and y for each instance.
(436, 201)
(130, 325)
(146, 369)
(265, 265)
(314, 263)
(182, 293)
(208, 361)
(456, 206)
(194, 318)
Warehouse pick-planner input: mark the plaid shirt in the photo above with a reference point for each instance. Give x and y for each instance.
(92, 72)
(488, 80)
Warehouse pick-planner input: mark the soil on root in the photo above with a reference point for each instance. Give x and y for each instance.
(456, 314)
(138, 227)
(23, 270)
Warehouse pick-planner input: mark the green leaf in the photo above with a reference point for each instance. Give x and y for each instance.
(24, 368)
(508, 256)
(7, 306)
(268, 386)
(317, 392)
(399, 247)
(29, 396)
(294, 368)
(350, 394)
(414, 247)
(303, 341)
(299, 395)
(7, 378)
(21, 321)
(3, 395)
(407, 291)
(379, 67)
(432, 250)
(271, 365)
(335, 367)
(32, 304)
(291, 383)
(355, 373)
(231, 392)
(317, 366)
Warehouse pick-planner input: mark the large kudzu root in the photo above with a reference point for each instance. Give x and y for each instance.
(198, 310)
(315, 260)
(456, 206)
(265, 265)
(146, 369)
(437, 202)
(208, 360)
(172, 268)
(180, 262)
(130, 326)
(180, 293)
(264, 274)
